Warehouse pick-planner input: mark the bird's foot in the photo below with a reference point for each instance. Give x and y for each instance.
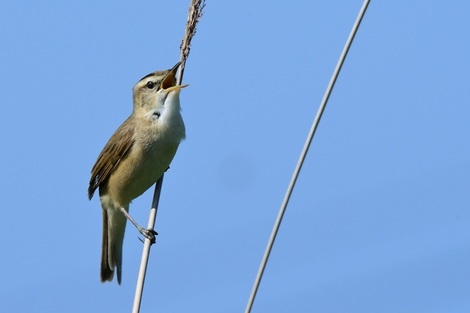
(150, 234)
(147, 233)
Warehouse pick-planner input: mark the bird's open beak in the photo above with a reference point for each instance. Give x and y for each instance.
(170, 78)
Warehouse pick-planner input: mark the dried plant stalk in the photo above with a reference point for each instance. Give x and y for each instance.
(195, 13)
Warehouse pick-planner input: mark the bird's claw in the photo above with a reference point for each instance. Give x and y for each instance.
(150, 234)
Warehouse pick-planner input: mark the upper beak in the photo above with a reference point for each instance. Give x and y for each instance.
(175, 68)
(170, 78)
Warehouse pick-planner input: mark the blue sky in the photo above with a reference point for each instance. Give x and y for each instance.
(378, 222)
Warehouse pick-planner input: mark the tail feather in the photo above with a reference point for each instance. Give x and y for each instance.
(114, 226)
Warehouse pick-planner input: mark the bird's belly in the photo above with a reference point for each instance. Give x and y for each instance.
(140, 171)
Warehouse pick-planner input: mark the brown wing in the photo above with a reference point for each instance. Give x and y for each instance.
(115, 150)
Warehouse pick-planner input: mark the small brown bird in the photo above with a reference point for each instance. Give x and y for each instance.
(135, 157)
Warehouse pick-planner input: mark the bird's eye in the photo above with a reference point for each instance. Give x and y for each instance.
(150, 85)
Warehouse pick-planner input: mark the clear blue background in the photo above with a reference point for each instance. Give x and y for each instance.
(379, 220)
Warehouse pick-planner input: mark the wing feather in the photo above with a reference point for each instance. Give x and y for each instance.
(114, 151)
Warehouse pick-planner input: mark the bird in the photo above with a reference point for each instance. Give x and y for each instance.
(134, 158)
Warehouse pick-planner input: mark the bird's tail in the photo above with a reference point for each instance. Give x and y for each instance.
(114, 226)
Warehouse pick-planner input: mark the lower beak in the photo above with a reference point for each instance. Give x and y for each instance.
(176, 88)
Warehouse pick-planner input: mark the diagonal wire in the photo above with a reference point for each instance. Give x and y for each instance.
(303, 154)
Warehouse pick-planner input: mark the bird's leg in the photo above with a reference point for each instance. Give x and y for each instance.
(147, 233)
